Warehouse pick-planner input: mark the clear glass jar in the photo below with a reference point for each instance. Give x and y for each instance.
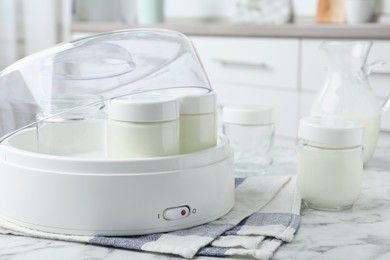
(330, 163)
(72, 125)
(250, 130)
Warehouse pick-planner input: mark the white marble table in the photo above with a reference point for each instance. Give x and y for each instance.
(360, 233)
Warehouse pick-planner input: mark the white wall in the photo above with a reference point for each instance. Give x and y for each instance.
(40, 26)
(305, 7)
(384, 7)
(8, 36)
(199, 8)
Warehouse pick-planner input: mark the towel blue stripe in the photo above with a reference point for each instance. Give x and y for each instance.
(212, 251)
(238, 181)
(265, 219)
(134, 242)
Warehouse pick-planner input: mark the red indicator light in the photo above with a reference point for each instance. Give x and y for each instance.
(183, 212)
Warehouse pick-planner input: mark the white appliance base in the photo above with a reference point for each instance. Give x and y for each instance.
(106, 197)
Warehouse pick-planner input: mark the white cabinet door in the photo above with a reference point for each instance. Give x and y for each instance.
(255, 71)
(313, 65)
(250, 61)
(285, 104)
(380, 77)
(305, 101)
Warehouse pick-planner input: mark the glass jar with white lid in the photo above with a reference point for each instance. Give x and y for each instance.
(250, 130)
(198, 129)
(330, 162)
(143, 126)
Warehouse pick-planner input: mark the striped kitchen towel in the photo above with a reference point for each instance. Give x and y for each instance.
(265, 214)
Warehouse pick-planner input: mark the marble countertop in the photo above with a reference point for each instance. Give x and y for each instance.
(360, 233)
(225, 28)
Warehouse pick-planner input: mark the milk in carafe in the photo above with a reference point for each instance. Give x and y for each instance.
(346, 92)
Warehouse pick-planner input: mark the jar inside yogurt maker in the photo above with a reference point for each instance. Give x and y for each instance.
(147, 126)
(198, 129)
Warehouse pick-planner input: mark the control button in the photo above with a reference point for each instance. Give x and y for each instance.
(176, 213)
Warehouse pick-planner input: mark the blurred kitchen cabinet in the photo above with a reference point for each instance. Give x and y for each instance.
(255, 71)
(380, 76)
(305, 101)
(313, 63)
(250, 61)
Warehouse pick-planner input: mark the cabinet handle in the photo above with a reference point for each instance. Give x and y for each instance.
(236, 63)
(378, 67)
(380, 71)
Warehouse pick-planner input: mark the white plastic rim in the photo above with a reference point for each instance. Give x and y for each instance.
(331, 131)
(143, 109)
(12, 151)
(248, 115)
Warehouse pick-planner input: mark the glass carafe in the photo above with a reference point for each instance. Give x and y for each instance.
(347, 93)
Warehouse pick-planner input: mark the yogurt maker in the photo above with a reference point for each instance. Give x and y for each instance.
(55, 175)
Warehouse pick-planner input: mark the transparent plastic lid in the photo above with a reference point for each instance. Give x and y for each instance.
(91, 70)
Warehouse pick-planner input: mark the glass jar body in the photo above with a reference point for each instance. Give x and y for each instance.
(72, 125)
(329, 178)
(252, 146)
(134, 140)
(197, 132)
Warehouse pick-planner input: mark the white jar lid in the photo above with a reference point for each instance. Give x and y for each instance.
(248, 115)
(331, 131)
(144, 109)
(198, 104)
